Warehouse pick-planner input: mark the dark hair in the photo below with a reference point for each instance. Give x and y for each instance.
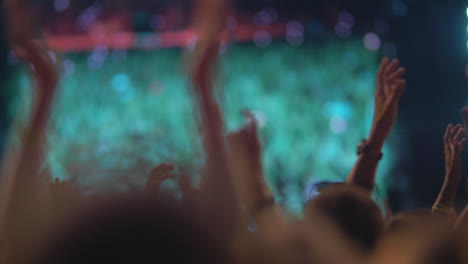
(135, 230)
(352, 210)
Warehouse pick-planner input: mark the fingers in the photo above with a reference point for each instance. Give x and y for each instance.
(448, 132)
(453, 138)
(251, 129)
(458, 132)
(393, 76)
(460, 145)
(160, 170)
(395, 92)
(391, 67)
(380, 76)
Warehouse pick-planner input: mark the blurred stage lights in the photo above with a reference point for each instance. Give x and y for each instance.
(399, 8)
(61, 5)
(295, 33)
(344, 25)
(262, 39)
(338, 125)
(68, 67)
(372, 41)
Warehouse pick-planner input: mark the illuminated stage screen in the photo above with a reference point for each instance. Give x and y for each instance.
(119, 113)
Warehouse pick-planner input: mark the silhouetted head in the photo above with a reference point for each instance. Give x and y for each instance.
(135, 230)
(352, 210)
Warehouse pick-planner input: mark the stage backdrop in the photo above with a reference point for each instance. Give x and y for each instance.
(118, 113)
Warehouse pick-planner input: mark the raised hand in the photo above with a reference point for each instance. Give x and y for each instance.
(247, 166)
(453, 145)
(158, 175)
(390, 87)
(35, 54)
(245, 141)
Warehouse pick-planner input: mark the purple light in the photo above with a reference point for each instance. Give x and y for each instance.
(222, 47)
(346, 18)
(192, 43)
(272, 12)
(338, 125)
(61, 5)
(149, 41)
(231, 22)
(52, 57)
(372, 41)
(295, 33)
(88, 17)
(68, 67)
(263, 18)
(12, 59)
(342, 30)
(97, 58)
(157, 22)
(262, 39)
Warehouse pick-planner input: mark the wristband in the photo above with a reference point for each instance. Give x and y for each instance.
(365, 148)
(441, 208)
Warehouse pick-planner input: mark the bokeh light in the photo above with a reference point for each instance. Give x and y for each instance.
(295, 33)
(372, 41)
(262, 38)
(61, 5)
(399, 8)
(112, 124)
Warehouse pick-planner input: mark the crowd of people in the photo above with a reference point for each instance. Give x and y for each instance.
(230, 216)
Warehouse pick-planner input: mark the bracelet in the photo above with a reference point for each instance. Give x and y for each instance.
(365, 148)
(441, 208)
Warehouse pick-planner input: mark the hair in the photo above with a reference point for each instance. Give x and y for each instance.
(135, 230)
(352, 210)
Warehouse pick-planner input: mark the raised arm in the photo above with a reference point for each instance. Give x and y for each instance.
(22, 196)
(247, 167)
(390, 87)
(453, 145)
(217, 191)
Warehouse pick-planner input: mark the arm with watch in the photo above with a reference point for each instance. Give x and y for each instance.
(390, 87)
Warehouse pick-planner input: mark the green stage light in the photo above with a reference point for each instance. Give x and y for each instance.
(112, 124)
